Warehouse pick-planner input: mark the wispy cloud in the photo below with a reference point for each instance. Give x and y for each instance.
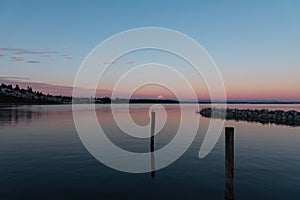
(10, 49)
(116, 62)
(33, 61)
(35, 52)
(16, 58)
(51, 88)
(108, 62)
(1, 55)
(13, 78)
(45, 49)
(68, 58)
(27, 51)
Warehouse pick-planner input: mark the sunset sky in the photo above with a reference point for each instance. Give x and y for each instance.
(255, 44)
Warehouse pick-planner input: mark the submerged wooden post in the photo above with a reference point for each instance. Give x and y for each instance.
(152, 144)
(229, 163)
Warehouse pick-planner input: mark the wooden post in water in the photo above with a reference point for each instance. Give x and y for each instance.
(152, 144)
(152, 130)
(229, 163)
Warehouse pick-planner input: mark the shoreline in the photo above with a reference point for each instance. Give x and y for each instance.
(152, 102)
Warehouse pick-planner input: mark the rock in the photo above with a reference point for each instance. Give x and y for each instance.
(265, 116)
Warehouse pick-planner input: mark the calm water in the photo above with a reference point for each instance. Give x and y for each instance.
(42, 157)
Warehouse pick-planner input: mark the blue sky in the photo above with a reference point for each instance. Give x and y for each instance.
(256, 44)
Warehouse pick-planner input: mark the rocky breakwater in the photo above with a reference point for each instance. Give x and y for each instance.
(265, 116)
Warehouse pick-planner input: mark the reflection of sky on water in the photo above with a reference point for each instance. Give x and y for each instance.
(39, 148)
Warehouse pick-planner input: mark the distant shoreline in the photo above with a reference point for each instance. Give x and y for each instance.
(151, 102)
(10, 95)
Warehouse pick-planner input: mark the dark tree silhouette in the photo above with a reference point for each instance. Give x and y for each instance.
(29, 89)
(106, 100)
(17, 88)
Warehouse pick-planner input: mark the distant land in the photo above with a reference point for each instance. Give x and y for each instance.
(17, 95)
(10, 94)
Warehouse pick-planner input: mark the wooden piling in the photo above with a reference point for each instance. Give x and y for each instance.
(152, 131)
(152, 144)
(229, 163)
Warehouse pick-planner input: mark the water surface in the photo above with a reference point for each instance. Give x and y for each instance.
(42, 157)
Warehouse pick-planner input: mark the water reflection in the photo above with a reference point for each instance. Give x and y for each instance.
(140, 115)
(39, 148)
(28, 114)
(15, 115)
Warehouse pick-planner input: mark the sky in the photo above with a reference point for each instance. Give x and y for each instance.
(255, 44)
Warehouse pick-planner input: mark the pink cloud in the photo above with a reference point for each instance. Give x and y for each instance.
(13, 78)
(16, 58)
